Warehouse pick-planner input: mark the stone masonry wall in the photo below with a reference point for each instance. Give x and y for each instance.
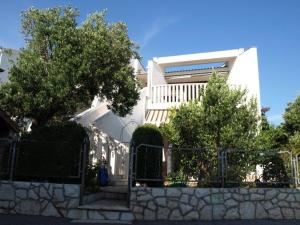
(215, 203)
(33, 198)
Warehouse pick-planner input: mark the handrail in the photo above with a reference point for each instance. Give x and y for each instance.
(175, 93)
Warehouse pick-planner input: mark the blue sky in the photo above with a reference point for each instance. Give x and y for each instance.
(164, 27)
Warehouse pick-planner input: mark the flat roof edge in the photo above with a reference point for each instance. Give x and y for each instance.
(205, 57)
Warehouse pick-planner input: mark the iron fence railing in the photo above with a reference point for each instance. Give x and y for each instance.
(40, 160)
(199, 167)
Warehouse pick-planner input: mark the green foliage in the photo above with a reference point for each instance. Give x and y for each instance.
(294, 143)
(51, 152)
(292, 117)
(222, 119)
(270, 141)
(64, 65)
(149, 159)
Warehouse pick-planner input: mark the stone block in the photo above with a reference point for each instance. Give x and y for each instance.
(23, 185)
(71, 191)
(247, 210)
(151, 205)
(163, 213)
(218, 212)
(175, 215)
(21, 193)
(149, 214)
(193, 215)
(287, 213)
(206, 213)
(77, 214)
(260, 212)
(172, 204)
(95, 215)
(184, 198)
(29, 207)
(275, 213)
(185, 208)
(158, 192)
(110, 215)
(188, 191)
(50, 210)
(73, 203)
(291, 198)
(194, 201)
(32, 195)
(270, 194)
(127, 216)
(7, 192)
(173, 192)
(161, 201)
(58, 195)
(256, 197)
(297, 213)
(4, 204)
(44, 193)
(230, 203)
(217, 198)
(232, 214)
(282, 196)
(145, 197)
(202, 192)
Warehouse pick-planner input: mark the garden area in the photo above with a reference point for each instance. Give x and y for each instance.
(220, 141)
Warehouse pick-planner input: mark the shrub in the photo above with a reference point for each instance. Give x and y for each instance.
(51, 152)
(149, 159)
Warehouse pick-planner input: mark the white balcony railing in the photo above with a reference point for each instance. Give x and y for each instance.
(168, 95)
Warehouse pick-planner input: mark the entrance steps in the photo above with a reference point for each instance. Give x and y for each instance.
(108, 205)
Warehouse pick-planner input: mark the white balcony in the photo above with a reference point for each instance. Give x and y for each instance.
(170, 95)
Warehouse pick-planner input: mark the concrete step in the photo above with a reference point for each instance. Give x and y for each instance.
(108, 192)
(102, 221)
(114, 189)
(102, 211)
(107, 205)
(119, 182)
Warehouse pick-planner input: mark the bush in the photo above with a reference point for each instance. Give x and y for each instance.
(51, 152)
(149, 159)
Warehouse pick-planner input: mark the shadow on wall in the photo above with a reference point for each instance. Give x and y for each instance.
(105, 150)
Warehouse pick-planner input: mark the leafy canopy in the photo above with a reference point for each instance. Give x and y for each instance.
(292, 117)
(223, 118)
(64, 65)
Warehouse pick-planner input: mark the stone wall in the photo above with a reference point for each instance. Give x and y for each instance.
(215, 203)
(33, 198)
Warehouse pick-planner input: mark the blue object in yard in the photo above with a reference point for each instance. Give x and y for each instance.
(103, 176)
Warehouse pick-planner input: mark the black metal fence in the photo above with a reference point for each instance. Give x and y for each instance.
(195, 167)
(37, 160)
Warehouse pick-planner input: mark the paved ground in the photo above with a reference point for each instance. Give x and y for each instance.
(39, 220)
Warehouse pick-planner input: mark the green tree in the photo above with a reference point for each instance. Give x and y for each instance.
(222, 118)
(292, 117)
(64, 65)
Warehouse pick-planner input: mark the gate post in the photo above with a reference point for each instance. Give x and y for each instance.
(13, 158)
(84, 159)
(130, 172)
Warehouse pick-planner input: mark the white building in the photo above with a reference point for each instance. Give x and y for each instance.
(7, 56)
(168, 82)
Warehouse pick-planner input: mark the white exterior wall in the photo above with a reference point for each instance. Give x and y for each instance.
(6, 64)
(244, 73)
(155, 73)
(121, 128)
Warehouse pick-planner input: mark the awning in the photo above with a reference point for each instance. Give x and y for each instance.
(157, 116)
